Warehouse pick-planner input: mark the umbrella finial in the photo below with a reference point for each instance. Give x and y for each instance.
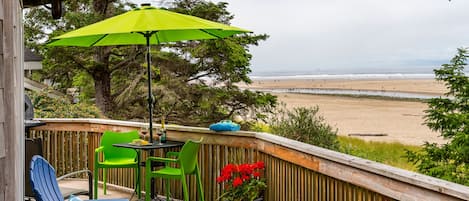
(145, 4)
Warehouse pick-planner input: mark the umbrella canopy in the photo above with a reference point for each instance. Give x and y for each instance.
(128, 29)
(146, 25)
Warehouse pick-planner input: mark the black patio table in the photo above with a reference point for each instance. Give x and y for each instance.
(149, 147)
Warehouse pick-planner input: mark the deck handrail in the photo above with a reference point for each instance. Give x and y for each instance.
(387, 180)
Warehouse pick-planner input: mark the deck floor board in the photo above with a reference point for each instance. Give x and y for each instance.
(112, 192)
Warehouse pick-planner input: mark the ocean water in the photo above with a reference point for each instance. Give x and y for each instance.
(349, 76)
(353, 74)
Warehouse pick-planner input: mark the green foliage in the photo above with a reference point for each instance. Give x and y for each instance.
(249, 191)
(383, 152)
(449, 116)
(60, 107)
(260, 127)
(305, 125)
(86, 83)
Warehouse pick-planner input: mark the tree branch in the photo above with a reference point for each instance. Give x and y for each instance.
(80, 63)
(197, 77)
(125, 62)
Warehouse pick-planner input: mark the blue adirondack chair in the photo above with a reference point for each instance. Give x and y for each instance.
(44, 183)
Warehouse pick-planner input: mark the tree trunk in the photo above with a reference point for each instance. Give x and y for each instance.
(102, 86)
(102, 71)
(100, 6)
(102, 79)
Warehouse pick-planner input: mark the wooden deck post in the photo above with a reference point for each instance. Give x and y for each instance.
(11, 101)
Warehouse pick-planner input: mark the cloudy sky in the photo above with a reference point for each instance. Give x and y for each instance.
(346, 36)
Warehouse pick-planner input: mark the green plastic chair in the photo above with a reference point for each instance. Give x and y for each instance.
(115, 157)
(187, 165)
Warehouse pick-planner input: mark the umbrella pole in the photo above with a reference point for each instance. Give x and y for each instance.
(150, 95)
(150, 101)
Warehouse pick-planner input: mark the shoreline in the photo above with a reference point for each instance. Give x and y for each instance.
(420, 86)
(402, 120)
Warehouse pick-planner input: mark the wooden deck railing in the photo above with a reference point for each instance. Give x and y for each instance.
(294, 170)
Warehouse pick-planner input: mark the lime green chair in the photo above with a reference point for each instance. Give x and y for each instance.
(115, 157)
(187, 165)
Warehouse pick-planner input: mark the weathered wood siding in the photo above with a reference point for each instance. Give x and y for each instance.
(294, 170)
(2, 181)
(11, 99)
(2, 107)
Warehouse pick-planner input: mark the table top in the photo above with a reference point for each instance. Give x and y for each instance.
(155, 145)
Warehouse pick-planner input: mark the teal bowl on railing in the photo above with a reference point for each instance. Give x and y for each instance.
(225, 125)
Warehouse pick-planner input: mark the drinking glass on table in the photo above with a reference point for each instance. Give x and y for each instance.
(144, 131)
(159, 133)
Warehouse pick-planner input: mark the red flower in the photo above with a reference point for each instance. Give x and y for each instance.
(245, 177)
(237, 182)
(259, 165)
(246, 168)
(226, 173)
(228, 169)
(222, 178)
(237, 174)
(256, 174)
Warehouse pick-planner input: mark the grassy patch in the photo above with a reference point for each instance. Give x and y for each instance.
(376, 97)
(392, 154)
(383, 152)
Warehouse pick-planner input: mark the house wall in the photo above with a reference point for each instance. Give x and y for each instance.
(11, 101)
(32, 65)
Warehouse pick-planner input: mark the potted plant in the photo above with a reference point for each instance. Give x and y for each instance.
(242, 182)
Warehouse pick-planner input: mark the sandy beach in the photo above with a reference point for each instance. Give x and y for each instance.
(399, 120)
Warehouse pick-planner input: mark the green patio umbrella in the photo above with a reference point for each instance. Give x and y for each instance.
(146, 25)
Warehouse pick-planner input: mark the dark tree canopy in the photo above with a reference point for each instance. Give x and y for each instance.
(194, 82)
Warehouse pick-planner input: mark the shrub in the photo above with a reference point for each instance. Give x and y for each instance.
(305, 125)
(60, 107)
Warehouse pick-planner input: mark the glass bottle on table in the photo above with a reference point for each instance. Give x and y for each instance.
(144, 131)
(160, 134)
(162, 131)
(163, 135)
